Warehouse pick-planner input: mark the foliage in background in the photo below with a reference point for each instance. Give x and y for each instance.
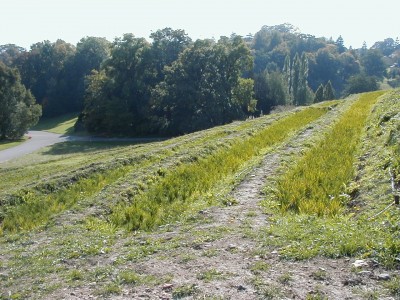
(18, 110)
(203, 87)
(154, 94)
(360, 83)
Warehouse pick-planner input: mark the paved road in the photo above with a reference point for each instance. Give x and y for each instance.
(40, 139)
(37, 140)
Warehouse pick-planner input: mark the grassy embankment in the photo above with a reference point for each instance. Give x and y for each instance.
(320, 210)
(179, 189)
(52, 258)
(169, 192)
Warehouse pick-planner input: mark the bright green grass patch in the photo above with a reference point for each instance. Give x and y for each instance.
(36, 209)
(179, 189)
(315, 184)
(305, 236)
(9, 144)
(61, 125)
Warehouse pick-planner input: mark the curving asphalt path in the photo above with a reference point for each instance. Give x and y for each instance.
(40, 139)
(36, 141)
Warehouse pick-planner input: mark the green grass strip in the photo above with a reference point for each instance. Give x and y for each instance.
(9, 144)
(61, 125)
(36, 210)
(174, 194)
(315, 184)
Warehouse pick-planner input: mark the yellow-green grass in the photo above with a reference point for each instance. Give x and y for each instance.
(9, 144)
(315, 185)
(61, 125)
(179, 189)
(36, 210)
(72, 172)
(368, 227)
(173, 173)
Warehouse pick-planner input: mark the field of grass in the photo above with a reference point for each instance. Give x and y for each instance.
(61, 125)
(340, 209)
(317, 184)
(189, 168)
(94, 217)
(9, 144)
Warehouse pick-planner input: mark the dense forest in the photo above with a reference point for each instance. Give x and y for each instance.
(174, 85)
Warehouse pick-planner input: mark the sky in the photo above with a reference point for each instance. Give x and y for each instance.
(25, 22)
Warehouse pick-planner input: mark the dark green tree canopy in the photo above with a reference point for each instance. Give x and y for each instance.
(200, 87)
(373, 63)
(172, 84)
(361, 83)
(340, 44)
(117, 96)
(166, 46)
(271, 89)
(18, 110)
(90, 53)
(41, 70)
(9, 53)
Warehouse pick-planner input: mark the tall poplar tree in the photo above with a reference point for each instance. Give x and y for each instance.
(329, 93)
(300, 91)
(319, 94)
(295, 79)
(287, 73)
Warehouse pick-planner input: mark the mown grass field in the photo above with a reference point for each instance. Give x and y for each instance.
(61, 125)
(82, 216)
(9, 144)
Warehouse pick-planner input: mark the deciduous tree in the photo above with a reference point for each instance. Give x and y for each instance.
(18, 110)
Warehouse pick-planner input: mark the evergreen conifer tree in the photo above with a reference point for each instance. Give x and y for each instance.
(340, 44)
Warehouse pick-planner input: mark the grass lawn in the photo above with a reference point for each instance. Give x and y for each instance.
(181, 216)
(61, 125)
(9, 144)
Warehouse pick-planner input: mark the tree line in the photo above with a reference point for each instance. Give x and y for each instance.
(174, 85)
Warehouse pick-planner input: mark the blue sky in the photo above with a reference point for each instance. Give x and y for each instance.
(24, 22)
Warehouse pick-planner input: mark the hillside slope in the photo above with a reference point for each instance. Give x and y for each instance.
(203, 216)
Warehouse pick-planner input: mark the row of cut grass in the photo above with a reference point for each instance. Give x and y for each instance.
(370, 230)
(60, 159)
(180, 188)
(26, 208)
(315, 184)
(36, 210)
